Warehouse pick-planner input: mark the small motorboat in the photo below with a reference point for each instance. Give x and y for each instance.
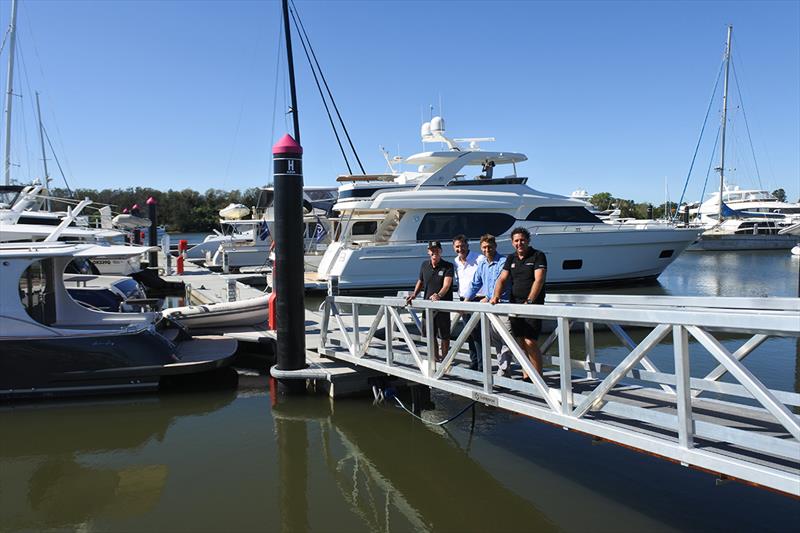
(51, 345)
(250, 312)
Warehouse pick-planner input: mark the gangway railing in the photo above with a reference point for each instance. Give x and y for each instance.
(736, 427)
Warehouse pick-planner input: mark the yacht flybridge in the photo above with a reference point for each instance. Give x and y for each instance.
(386, 220)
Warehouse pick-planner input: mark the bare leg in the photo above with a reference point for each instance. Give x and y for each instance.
(531, 349)
(534, 354)
(445, 347)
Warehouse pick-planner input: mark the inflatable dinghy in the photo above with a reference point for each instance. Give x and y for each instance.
(224, 314)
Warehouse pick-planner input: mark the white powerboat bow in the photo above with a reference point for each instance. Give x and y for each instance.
(387, 219)
(52, 345)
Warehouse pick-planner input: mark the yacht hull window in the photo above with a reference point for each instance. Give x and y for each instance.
(666, 254)
(562, 213)
(364, 228)
(572, 264)
(443, 226)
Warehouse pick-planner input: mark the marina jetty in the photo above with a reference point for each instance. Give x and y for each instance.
(707, 409)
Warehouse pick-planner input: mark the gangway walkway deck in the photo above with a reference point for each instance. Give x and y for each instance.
(736, 427)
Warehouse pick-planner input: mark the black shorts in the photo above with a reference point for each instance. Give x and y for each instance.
(528, 328)
(441, 325)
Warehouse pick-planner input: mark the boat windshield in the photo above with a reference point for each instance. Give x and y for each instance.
(36, 291)
(8, 195)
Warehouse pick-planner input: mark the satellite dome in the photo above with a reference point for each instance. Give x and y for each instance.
(437, 124)
(425, 131)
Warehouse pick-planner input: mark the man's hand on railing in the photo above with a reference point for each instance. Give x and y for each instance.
(494, 300)
(410, 297)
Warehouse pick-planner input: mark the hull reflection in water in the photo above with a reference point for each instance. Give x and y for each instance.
(48, 479)
(398, 475)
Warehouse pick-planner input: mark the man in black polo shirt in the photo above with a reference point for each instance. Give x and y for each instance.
(436, 279)
(526, 268)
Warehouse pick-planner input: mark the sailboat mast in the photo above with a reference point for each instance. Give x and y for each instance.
(290, 63)
(724, 122)
(44, 154)
(12, 47)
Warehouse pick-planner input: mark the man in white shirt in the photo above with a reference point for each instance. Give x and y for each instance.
(466, 264)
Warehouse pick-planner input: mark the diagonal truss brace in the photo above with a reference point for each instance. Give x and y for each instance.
(456, 346)
(627, 364)
(744, 350)
(646, 362)
(522, 359)
(748, 380)
(406, 337)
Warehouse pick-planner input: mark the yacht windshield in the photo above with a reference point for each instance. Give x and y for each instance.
(8, 195)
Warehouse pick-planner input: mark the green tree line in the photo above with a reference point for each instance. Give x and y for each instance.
(633, 209)
(179, 211)
(191, 211)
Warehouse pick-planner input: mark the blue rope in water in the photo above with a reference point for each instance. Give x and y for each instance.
(699, 139)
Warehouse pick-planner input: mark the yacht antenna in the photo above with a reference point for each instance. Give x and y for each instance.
(724, 120)
(44, 155)
(12, 46)
(290, 63)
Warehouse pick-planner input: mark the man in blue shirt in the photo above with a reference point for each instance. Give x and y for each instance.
(482, 288)
(466, 264)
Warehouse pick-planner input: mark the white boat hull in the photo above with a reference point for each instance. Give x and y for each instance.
(211, 244)
(727, 242)
(577, 257)
(115, 266)
(220, 315)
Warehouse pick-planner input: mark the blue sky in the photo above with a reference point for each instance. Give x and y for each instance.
(608, 96)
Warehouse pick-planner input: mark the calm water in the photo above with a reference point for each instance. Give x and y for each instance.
(233, 461)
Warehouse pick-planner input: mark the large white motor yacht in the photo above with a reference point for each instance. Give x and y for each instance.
(747, 203)
(387, 219)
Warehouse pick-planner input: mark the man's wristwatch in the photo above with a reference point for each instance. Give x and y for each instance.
(528, 302)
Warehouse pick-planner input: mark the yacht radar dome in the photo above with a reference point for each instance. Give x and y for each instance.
(437, 125)
(425, 131)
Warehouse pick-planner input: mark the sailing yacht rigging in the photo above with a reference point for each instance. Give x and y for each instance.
(751, 221)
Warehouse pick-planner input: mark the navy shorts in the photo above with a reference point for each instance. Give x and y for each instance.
(441, 325)
(528, 328)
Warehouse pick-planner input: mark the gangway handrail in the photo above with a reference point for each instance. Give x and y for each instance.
(717, 302)
(771, 430)
(773, 323)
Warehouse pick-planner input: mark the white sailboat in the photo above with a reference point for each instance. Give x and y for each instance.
(738, 226)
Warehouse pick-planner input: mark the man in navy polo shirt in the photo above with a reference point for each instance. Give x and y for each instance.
(436, 279)
(527, 269)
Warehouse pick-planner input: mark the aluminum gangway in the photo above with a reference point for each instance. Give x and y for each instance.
(724, 420)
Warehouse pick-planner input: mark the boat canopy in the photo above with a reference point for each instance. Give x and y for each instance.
(476, 157)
